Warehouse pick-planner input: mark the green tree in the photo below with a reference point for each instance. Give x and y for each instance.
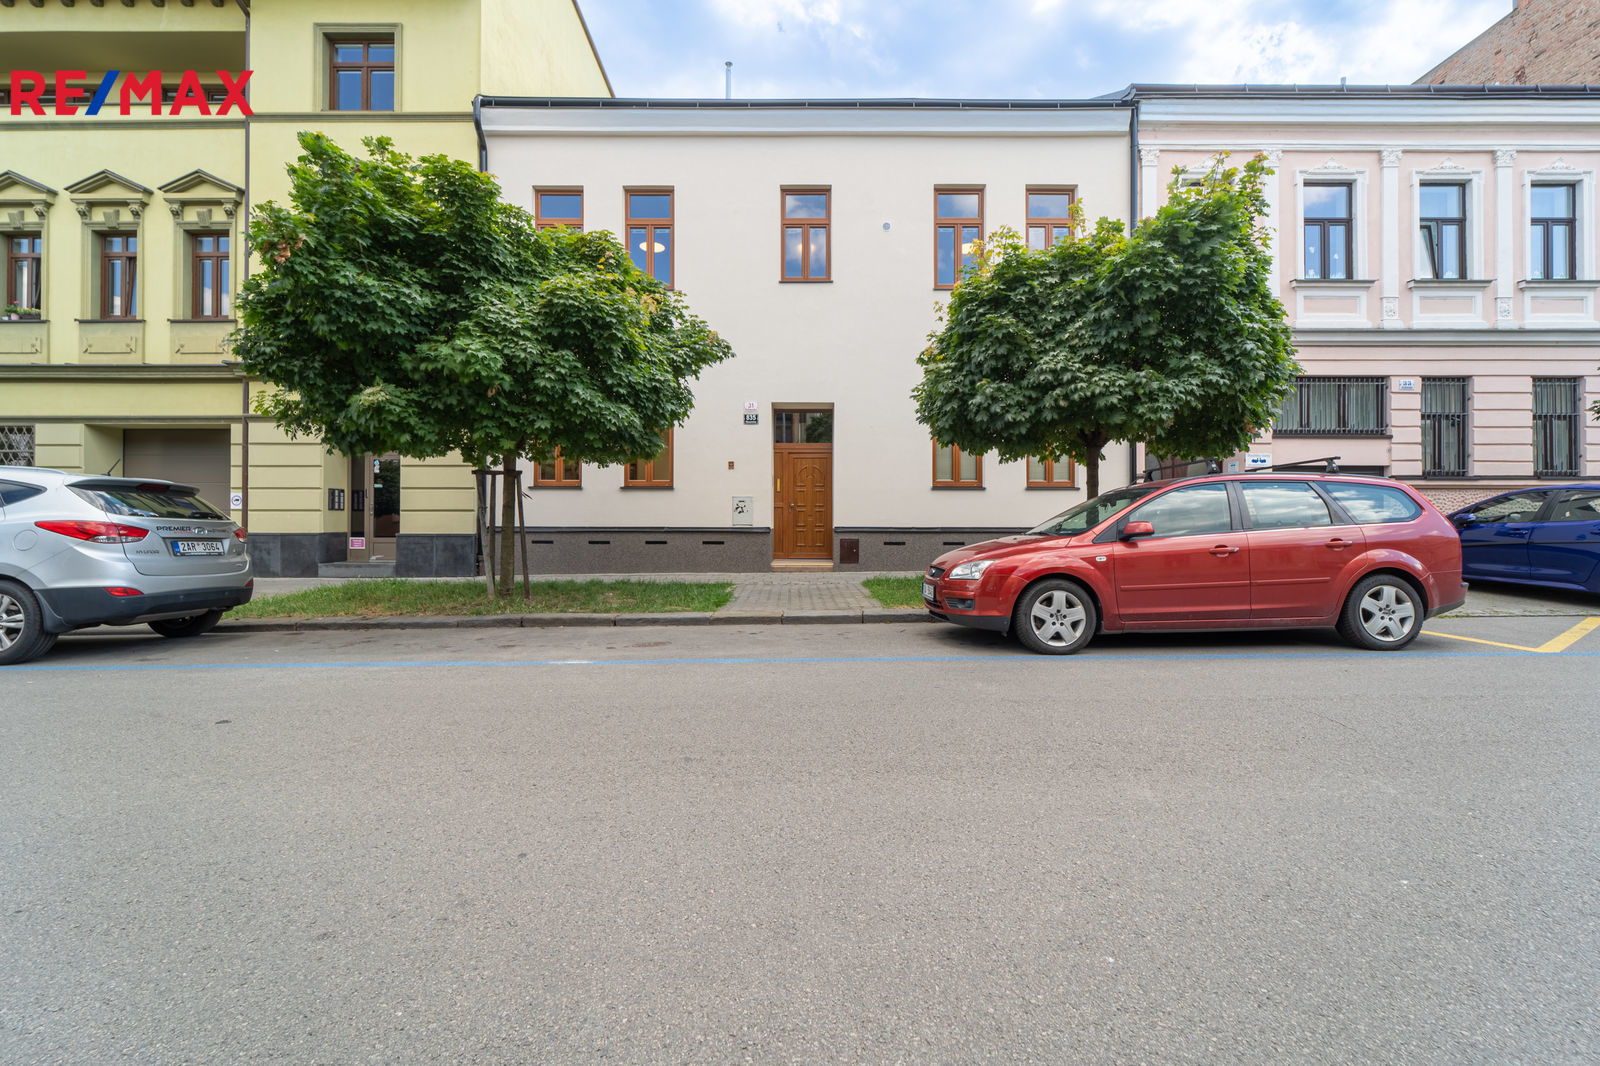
(401, 305)
(1171, 336)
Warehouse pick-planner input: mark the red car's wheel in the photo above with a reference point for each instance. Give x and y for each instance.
(1055, 617)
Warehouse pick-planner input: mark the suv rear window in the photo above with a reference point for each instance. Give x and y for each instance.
(1373, 503)
(149, 502)
(12, 492)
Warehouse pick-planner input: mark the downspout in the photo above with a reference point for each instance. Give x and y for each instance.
(477, 125)
(244, 402)
(1133, 220)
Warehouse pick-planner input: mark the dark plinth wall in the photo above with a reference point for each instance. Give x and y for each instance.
(601, 550)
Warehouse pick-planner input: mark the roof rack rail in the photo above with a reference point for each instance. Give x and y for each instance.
(1214, 466)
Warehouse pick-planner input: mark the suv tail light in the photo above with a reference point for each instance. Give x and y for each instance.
(98, 532)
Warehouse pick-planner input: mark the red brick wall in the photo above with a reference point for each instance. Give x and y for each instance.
(1542, 42)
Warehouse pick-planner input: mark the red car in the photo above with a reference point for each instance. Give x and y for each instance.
(1368, 556)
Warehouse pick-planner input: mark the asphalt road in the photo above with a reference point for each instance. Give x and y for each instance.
(833, 844)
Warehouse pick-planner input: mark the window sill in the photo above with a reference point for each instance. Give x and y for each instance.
(19, 320)
(968, 488)
(1559, 283)
(1333, 283)
(1032, 485)
(1449, 283)
(1334, 434)
(113, 321)
(805, 281)
(554, 485)
(207, 321)
(643, 485)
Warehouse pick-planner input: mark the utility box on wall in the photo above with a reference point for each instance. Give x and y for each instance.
(849, 550)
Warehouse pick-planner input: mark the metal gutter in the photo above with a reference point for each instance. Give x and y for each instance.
(902, 104)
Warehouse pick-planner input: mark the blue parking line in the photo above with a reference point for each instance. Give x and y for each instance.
(786, 661)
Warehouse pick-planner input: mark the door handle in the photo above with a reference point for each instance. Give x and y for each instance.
(1339, 543)
(1222, 549)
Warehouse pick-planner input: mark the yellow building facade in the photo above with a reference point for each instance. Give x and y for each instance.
(123, 225)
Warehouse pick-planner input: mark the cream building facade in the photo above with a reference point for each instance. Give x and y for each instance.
(124, 236)
(820, 240)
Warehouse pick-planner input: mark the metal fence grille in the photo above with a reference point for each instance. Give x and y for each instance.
(1555, 427)
(1335, 407)
(16, 445)
(1444, 427)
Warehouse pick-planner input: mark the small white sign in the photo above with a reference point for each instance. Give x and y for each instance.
(751, 405)
(236, 501)
(1258, 459)
(744, 508)
(1405, 385)
(358, 542)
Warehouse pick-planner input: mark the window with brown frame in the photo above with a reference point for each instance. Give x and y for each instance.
(807, 254)
(1050, 473)
(558, 207)
(119, 276)
(1049, 216)
(24, 257)
(558, 473)
(361, 73)
(211, 275)
(954, 469)
(957, 224)
(649, 224)
(654, 472)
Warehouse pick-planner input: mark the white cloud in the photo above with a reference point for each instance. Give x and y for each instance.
(1260, 41)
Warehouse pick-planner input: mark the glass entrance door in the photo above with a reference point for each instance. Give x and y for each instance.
(374, 507)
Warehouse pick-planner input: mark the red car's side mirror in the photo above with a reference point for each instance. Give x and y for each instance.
(1137, 529)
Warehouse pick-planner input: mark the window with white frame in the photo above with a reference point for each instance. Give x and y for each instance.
(1442, 219)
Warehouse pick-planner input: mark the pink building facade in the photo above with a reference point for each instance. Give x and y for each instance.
(1436, 256)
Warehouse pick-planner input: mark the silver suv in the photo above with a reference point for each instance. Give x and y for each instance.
(78, 550)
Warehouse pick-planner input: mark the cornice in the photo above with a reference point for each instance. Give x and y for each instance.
(1445, 338)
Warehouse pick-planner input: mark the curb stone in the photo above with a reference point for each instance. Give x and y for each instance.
(802, 618)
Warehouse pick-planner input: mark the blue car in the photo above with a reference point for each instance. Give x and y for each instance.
(1544, 536)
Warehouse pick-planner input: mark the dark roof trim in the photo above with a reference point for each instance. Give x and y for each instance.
(1135, 93)
(601, 103)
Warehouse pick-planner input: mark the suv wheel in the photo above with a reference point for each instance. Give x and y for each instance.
(192, 626)
(22, 635)
(1383, 613)
(1054, 617)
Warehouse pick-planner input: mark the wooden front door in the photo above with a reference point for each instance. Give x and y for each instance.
(802, 510)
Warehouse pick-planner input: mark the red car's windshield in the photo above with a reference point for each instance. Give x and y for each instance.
(1087, 515)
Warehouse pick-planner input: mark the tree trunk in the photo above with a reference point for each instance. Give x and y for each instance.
(1093, 446)
(508, 524)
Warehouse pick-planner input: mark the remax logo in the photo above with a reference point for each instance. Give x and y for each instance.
(27, 86)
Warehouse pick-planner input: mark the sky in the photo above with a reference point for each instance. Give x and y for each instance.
(1018, 48)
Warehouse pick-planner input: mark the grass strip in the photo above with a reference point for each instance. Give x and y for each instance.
(386, 597)
(895, 591)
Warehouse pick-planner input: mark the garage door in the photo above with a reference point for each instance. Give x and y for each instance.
(198, 457)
